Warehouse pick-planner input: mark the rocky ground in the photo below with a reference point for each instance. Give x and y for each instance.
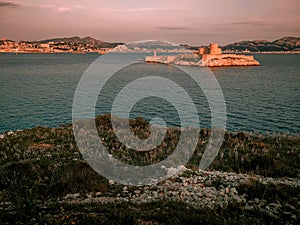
(44, 180)
(209, 190)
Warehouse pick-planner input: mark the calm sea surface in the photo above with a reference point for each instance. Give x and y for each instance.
(38, 89)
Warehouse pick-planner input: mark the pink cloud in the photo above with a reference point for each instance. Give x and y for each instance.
(63, 9)
(47, 6)
(80, 7)
(146, 9)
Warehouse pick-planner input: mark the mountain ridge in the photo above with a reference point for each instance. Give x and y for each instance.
(78, 40)
(281, 44)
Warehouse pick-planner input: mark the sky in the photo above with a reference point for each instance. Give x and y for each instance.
(194, 22)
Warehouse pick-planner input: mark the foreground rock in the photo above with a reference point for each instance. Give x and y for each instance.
(208, 190)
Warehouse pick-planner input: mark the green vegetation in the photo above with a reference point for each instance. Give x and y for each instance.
(160, 212)
(40, 166)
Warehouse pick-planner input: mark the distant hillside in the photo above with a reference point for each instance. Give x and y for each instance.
(282, 44)
(153, 44)
(78, 40)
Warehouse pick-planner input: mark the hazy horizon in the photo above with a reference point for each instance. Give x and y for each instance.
(193, 22)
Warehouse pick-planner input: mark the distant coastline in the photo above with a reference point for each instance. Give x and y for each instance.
(77, 45)
(104, 52)
(263, 52)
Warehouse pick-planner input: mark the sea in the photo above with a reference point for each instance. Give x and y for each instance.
(38, 90)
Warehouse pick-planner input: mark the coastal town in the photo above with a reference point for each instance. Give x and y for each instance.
(11, 46)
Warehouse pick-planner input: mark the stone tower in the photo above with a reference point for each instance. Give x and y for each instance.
(201, 51)
(214, 49)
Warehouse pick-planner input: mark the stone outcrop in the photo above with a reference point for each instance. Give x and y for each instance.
(203, 189)
(230, 60)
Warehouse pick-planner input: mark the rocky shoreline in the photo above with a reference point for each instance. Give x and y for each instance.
(45, 180)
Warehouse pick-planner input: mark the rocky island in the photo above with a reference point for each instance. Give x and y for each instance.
(211, 56)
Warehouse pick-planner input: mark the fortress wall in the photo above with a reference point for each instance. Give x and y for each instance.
(170, 59)
(207, 57)
(155, 58)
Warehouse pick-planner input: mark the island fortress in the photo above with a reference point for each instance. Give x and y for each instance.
(205, 56)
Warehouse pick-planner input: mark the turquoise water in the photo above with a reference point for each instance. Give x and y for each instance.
(38, 89)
